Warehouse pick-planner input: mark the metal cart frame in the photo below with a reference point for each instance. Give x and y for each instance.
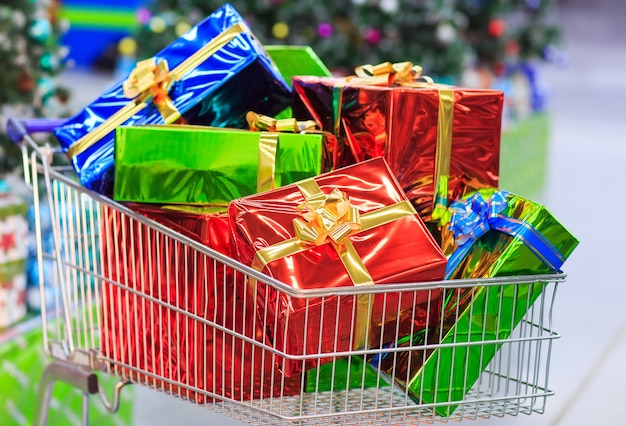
(109, 311)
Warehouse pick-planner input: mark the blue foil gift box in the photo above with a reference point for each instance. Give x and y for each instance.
(212, 76)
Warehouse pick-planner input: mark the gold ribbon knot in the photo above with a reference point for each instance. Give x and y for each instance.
(327, 217)
(386, 73)
(260, 122)
(149, 80)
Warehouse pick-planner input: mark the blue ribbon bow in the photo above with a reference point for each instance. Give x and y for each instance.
(474, 216)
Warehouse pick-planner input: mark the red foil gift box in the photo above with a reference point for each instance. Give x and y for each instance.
(428, 133)
(390, 244)
(145, 331)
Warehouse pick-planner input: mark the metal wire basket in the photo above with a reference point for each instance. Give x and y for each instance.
(134, 299)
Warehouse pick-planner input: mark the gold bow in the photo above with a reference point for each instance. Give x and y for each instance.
(260, 122)
(327, 217)
(386, 73)
(153, 81)
(149, 80)
(331, 219)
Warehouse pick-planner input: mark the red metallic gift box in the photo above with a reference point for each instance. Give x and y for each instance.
(151, 335)
(281, 233)
(428, 134)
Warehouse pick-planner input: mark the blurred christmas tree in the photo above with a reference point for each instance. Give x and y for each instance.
(444, 36)
(30, 58)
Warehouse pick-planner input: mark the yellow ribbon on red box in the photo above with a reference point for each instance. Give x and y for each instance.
(409, 75)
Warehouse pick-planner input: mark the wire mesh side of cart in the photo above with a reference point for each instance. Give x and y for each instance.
(158, 309)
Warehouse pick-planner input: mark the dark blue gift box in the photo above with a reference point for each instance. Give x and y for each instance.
(237, 78)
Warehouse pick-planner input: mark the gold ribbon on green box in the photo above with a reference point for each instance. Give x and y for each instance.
(151, 82)
(331, 219)
(268, 142)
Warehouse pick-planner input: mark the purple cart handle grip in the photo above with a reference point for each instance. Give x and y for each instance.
(18, 128)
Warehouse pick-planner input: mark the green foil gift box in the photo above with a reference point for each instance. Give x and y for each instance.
(342, 374)
(489, 234)
(296, 60)
(201, 165)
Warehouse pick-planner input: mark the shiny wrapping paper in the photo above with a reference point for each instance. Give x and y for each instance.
(218, 92)
(342, 374)
(401, 123)
(400, 251)
(483, 313)
(152, 337)
(199, 165)
(297, 60)
(206, 224)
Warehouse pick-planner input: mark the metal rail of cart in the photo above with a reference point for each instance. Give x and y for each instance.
(139, 301)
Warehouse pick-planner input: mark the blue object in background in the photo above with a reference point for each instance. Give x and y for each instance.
(538, 92)
(95, 26)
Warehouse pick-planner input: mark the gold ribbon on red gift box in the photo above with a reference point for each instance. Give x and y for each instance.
(150, 82)
(409, 75)
(330, 219)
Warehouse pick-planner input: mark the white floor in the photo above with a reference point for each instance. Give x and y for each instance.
(585, 191)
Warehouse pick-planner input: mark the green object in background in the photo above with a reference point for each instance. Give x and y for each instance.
(524, 156)
(22, 362)
(100, 16)
(296, 60)
(344, 373)
(201, 165)
(490, 312)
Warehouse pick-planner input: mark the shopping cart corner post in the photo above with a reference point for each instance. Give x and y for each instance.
(77, 376)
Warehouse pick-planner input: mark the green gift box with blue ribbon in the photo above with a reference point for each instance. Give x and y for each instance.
(488, 233)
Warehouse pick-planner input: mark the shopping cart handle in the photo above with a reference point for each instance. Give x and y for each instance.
(17, 128)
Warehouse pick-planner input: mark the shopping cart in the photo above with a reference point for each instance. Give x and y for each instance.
(155, 308)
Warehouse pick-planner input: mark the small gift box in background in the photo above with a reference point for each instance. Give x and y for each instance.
(433, 136)
(13, 254)
(351, 227)
(200, 165)
(212, 75)
(296, 60)
(490, 234)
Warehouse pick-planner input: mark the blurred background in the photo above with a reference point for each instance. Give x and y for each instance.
(559, 63)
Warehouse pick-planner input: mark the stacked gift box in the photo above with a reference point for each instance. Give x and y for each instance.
(380, 178)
